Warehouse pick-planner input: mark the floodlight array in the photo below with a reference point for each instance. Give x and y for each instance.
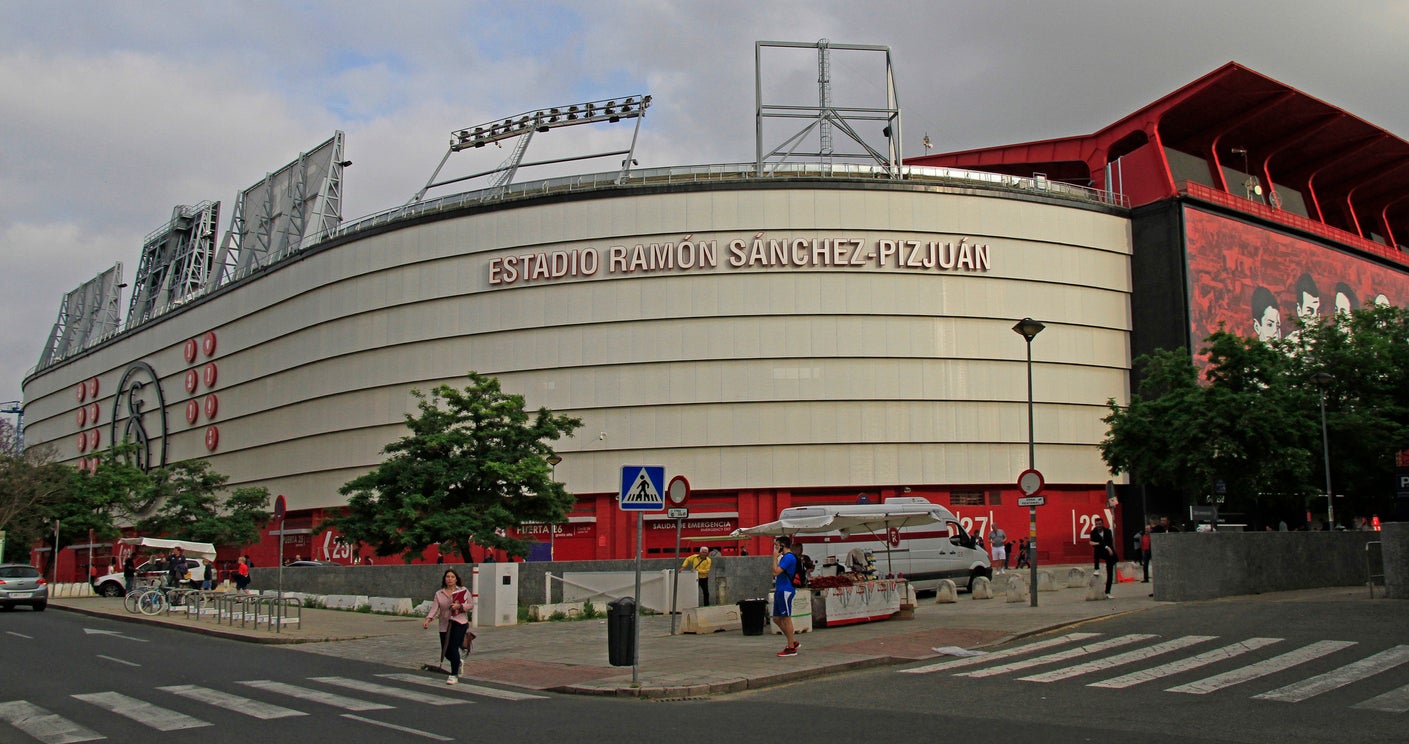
(541, 120)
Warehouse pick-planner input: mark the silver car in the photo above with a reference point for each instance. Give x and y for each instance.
(22, 584)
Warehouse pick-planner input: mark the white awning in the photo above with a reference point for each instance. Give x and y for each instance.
(196, 549)
(848, 519)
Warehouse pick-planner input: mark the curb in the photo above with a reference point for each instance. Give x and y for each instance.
(216, 632)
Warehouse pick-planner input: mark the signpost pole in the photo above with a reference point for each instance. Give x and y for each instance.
(675, 578)
(280, 509)
(636, 626)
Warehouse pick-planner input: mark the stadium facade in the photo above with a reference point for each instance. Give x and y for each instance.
(800, 334)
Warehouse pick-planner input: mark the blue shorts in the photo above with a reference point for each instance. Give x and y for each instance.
(783, 602)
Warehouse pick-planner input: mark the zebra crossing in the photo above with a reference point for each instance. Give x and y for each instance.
(301, 697)
(1087, 652)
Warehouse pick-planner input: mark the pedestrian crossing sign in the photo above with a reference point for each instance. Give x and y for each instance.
(642, 488)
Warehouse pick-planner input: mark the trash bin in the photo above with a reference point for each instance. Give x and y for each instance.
(621, 631)
(753, 615)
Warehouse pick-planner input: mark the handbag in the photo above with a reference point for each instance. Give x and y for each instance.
(469, 639)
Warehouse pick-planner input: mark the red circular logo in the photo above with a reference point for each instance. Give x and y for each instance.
(208, 343)
(93, 388)
(210, 375)
(894, 535)
(82, 463)
(190, 350)
(212, 438)
(93, 465)
(81, 392)
(93, 412)
(82, 416)
(83, 441)
(193, 411)
(94, 437)
(193, 378)
(212, 405)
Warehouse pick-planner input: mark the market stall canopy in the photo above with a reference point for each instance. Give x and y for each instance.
(849, 519)
(194, 549)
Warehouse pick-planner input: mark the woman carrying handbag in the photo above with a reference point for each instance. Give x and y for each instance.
(452, 606)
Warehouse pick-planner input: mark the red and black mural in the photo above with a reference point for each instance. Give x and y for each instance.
(1256, 281)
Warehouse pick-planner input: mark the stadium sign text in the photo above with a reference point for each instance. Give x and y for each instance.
(757, 252)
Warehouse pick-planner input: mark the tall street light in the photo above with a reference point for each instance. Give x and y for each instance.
(1028, 329)
(1323, 380)
(553, 461)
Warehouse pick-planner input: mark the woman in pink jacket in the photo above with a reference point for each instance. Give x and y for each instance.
(452, 605)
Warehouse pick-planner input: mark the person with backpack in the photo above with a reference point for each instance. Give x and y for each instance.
(785, 567)
(805, 565)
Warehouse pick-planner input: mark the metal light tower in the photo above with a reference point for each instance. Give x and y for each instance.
(553, 461)
(1028, 329)
(1323, 380)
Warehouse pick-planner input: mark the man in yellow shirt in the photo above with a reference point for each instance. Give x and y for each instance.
(700, 562)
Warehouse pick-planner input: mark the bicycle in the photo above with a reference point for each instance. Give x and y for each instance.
(135, 592)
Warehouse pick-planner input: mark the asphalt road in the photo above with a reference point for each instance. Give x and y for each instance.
(66, 677)
(1193, 679)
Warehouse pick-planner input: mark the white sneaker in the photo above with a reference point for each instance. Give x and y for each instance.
(452, 679)
(1107, 597)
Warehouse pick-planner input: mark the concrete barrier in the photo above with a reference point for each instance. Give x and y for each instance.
(1076, 578)
(1394, 550)
(1017, 592)
(946, 592)
(983, 588)
(1207, 565)
(345, 601)
(393, 605)
(1045, 582)
(712, 619)
(1096, 589)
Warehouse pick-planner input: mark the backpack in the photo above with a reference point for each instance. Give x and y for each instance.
(800, 571)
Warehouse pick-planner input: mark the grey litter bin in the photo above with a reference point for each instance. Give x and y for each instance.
(753, 615)
(621, 631)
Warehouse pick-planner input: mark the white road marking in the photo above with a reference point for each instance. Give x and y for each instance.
(1367, 667)
(19, 635)
(253, 708)
(1262, 668)
(113, 633)
(464, 688)
(141, 711)
(1110, 662)
(47, 727)
(1184, 665)
(389, 691)
(395, 727)
(1005, 653)
(1071, 653)
(120, 661)
(1394, 701)
(317, 696)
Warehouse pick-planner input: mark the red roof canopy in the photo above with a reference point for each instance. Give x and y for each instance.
(1346, 173)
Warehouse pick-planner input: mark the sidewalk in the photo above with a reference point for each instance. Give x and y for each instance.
(572, 657)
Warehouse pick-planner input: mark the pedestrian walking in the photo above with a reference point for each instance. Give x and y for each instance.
(452, 605)
(242, 575)
(784, 566)
(1103, 549)
(1145, 554)
(700, 563)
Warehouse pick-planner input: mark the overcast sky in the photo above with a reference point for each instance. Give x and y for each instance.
(111, 113)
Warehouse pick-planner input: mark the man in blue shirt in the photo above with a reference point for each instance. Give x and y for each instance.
(784, 567)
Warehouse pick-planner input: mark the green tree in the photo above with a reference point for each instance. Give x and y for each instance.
(100, 500)
(1367, 403)
(473, 465)
(29, 485)
(1249, 416)
(189, 506)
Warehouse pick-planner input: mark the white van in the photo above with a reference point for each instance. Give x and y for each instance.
(906, 535)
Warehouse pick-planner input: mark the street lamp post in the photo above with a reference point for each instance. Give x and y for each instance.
(553, 461)
(1323, 380)
(1028, 329)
